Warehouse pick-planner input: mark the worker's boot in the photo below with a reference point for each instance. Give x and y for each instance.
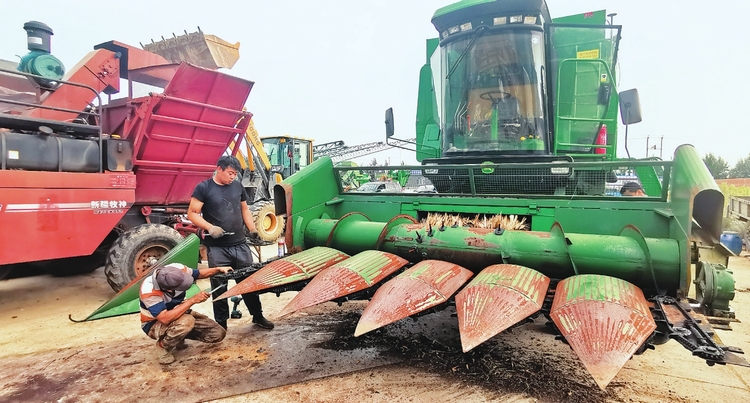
(181, 345)
(165, 355)
(262, 322)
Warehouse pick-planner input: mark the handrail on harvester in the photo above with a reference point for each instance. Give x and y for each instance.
(610, 148)
(473, 171)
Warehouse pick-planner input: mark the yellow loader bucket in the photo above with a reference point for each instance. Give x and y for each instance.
(204, 50)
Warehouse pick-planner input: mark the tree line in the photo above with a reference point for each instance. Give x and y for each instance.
(720, 169)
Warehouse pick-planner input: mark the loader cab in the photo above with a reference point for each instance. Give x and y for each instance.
(288, 154)
(508, 83)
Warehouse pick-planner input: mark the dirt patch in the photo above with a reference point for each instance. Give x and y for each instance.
(312, 356)
(498, 366)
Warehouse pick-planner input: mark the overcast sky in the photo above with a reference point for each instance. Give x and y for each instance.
(328, 69)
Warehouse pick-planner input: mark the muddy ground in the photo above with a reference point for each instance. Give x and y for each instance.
(312, 356)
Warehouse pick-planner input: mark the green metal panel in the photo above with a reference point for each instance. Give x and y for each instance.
(649, 180)
(581, 63)
(594, 18)
(451, 8)
(314, 186)
(467, 10)
(127, 300)
(428, 132)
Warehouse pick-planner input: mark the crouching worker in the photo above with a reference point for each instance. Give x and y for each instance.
(167, 317)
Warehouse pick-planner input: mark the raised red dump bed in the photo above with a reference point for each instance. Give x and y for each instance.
(178, 136)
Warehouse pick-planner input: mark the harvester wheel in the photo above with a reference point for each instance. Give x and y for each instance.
(269, 225)
(136, 251)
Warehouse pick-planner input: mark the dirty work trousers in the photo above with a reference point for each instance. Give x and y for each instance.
(193, 326)
(237, 257)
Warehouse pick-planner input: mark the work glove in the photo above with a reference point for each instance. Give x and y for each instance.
(215, 231)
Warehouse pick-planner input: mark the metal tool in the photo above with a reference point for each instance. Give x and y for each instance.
(236, 314)
(203, 234)
(215, 289)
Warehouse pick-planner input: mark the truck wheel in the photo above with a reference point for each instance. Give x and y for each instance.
(136, 251)
(269, 225)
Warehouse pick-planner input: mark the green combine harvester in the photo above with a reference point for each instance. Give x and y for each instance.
(517, 131)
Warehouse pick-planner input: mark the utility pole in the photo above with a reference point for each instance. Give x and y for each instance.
(661, 147)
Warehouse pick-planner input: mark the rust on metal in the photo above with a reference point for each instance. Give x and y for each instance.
(198, 48)
(357, 273)
(480, 243)
(498, 297)
(480, 231)
(297, 267)
(427, 284)
(540, 234)
(397, 220)
(604, 319)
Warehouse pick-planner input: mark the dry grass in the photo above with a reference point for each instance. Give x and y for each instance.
(506, 222)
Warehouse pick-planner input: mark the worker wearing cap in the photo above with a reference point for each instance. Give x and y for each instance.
(219, 206)
(167, 317)
(632, 189)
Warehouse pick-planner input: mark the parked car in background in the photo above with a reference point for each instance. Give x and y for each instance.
(420, 189)
(377, 187)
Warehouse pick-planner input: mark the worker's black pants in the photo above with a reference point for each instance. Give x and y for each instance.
(237, 257)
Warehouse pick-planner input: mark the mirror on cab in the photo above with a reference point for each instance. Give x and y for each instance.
(389, 129)
(630, 107)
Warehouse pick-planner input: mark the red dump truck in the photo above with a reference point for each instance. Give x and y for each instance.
(85, 183)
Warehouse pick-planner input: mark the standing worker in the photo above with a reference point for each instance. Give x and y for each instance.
(168, 318)
(219, 206)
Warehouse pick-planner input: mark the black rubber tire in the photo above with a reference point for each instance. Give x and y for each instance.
(135, 250)
(270, 226)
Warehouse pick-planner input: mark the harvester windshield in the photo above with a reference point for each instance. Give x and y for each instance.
(492, 92)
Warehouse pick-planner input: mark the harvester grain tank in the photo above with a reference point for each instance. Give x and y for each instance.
(526, 219)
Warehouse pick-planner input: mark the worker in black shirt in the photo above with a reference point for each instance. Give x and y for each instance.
(219, 206)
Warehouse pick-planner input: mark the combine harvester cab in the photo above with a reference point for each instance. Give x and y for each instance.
(517, 132)
(109, 180)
